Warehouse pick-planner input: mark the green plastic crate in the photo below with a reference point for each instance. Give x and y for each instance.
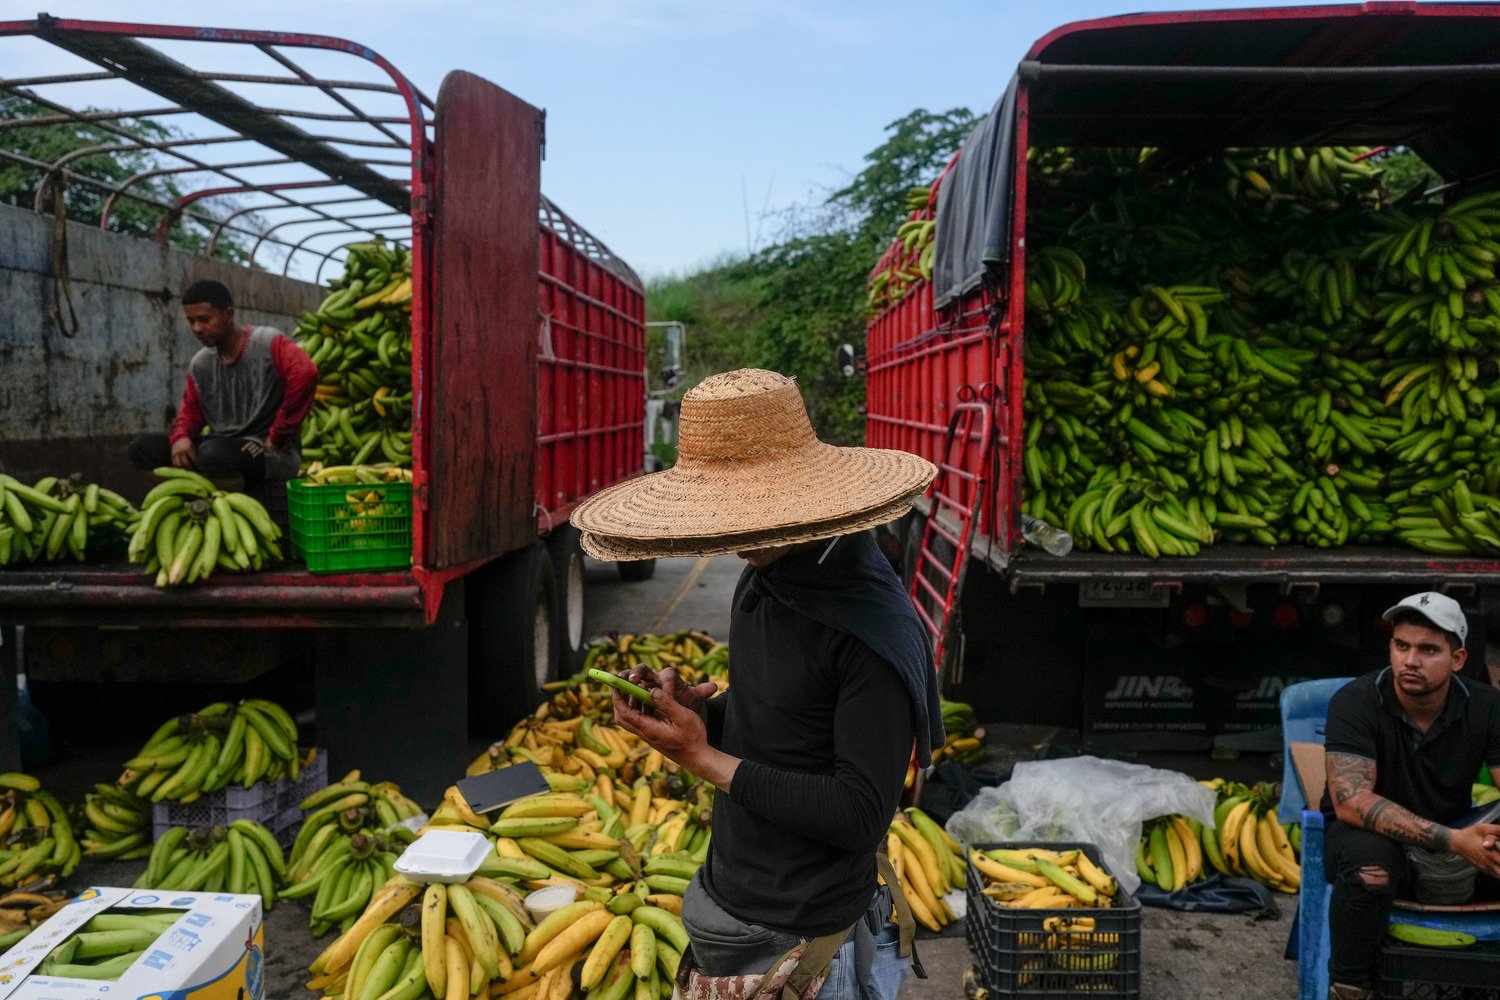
(338, 528)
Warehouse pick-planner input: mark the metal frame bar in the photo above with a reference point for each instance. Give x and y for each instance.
(1034, 70)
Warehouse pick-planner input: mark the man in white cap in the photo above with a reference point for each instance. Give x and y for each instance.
(833, 690)
(1403, 746)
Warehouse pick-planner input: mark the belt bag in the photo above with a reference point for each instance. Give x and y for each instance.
(801, 971)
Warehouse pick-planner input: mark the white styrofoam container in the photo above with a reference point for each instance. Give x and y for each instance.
(443, 856)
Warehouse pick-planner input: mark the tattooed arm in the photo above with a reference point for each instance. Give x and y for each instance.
(1351, 786)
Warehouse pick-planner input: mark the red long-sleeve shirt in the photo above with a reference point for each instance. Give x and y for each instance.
(264, 392)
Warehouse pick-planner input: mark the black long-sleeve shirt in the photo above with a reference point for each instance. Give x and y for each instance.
(823, 727)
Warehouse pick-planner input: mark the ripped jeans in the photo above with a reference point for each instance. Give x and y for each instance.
(1366, 874)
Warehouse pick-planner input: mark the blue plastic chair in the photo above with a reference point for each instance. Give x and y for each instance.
(1304, 710)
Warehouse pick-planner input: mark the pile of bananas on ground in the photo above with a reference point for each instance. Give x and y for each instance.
(36, 835)
(696, 655)
(59, 518)
(1040, 879)
(107, 945)
(192, 755)
(188, 528)
(1191, 380)
(24, 910)
(360, 339)
(929, 864)
(909, 258)
(476, 938)
(965, 738)
(242, 857)
(346, 848)
(607, 829)
(116, 824)
(1246, 839)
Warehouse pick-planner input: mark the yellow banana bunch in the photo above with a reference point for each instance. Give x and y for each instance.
(1245, 840)
(1036, 878)
(929, 864)
(194, 755)
(348, 475)
(477, 938)
(189, 528)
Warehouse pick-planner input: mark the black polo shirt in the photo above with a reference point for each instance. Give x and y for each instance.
(1432, 773)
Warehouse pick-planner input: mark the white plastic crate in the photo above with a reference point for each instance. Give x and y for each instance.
(272, 804)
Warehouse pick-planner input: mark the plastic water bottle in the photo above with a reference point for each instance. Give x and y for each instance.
(1055, 541)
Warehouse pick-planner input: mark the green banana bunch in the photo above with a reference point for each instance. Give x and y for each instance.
(346, 848)
(241, 858)
(909, 258)
(109, 944)
(36, 833)
(116, 824)
(195, 755)
(360, 339)
(59, 518)
(188, 528)
(964, 740)
(1207, 384)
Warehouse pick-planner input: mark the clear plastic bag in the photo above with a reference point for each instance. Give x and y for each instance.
(1103, 802)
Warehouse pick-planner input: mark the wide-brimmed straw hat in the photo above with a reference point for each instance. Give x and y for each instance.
(750, 474)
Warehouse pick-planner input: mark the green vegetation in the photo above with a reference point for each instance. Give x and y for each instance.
(85, 202)
(788, 307)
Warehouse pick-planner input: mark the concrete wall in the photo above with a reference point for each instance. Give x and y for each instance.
(69, 404)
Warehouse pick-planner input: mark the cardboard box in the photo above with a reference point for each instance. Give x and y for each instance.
(215, 950)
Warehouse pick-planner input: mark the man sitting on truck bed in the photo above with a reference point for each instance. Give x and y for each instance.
(1403, 746)
(251, 386)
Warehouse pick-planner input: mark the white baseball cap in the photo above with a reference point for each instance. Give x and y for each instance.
(1440, 609)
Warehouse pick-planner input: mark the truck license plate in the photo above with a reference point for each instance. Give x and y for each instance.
(1122, 594)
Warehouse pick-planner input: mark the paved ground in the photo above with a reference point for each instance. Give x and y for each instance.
(1184, 956)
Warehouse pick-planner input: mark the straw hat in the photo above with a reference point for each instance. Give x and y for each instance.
(750, 474)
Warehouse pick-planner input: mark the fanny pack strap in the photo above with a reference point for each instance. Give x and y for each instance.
(817, 955)
(906, 924)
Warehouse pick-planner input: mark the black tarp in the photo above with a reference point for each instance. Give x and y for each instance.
(973, 212)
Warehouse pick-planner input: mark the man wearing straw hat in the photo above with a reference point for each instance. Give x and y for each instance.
(833, 690)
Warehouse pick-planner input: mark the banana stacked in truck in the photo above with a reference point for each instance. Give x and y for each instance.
(56, 519)
(360, 339)
(189, 528)
(1190, 379)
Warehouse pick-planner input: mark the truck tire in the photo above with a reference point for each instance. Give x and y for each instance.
(512, 612)
(569, 572)
(637, 570)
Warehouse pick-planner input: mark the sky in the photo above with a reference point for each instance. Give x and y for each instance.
(678, 130)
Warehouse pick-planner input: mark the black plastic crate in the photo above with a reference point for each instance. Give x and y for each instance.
(1018, 956)
(1412, 972)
